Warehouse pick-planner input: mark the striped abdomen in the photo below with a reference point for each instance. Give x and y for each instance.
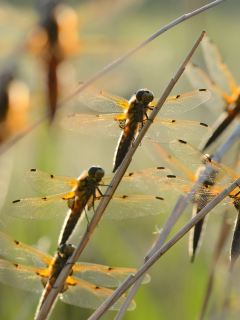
(75, 213)
(125, 141)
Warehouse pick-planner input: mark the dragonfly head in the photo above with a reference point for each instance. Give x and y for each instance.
(96, 173)
(144, 96)
(66, 250)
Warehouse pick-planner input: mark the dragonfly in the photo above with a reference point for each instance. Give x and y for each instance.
(77, 196)
(224, 89)
(126, 118)
(31, 269)
(216, 177)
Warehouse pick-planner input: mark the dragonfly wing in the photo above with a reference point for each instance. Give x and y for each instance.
(87, 295)
(183, 102)
(103, 275)
(200, 194)
(159, 155)
(20, 277)
(134, 206)
(23, 254)
(107, 126)
(41, 208)
(142, 180)
(216, 172)
(217, 69)
(99, 100)
(165, 130)
(48, 183)
(199, 79)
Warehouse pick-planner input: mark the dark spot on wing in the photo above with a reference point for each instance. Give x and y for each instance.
(124, 197)
(97, 287)
(159, 198)
(182, 141)
(171, 176)
(17, 242)
(161, 168)
(177, 96)
(130, 174)
(16, 265)
(44, 198)
(173, 121)
(15, 201)
(202, 89)
(51, 175)
(33, 170)
(203, 124)
(110, 269)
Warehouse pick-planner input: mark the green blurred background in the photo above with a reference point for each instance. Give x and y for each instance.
(109, 29)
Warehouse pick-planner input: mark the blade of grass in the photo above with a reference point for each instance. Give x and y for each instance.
(133, 278)
(112, 187)
(113, 65)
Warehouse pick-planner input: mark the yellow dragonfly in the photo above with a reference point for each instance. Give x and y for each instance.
(33, 270)
(77, 196)
(215, 174)
(126, 118)
(225, 91)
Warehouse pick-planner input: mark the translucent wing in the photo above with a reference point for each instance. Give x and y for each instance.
(23, 254)
(164, 130)
(20, 277)
(134, 206)
(103, 275)
(87, 295)
(200, 192)
(159, 155)
(48, 183)
(181, 103)
(142, 179)
(217, 69)
(199, 79)
(99, 100)
(41, 208)
(217, 173)
(107, 126)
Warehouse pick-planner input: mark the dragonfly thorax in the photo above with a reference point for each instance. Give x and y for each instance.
(144, 96)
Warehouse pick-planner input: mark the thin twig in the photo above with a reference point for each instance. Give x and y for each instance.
(133, 278)
(113, 65)
(111, 189)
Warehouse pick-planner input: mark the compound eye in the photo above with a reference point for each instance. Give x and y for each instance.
(147, 96)
(96, 173)
(67, 249)
(144, 96)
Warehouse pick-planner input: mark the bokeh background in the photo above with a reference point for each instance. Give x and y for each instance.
(107, 30)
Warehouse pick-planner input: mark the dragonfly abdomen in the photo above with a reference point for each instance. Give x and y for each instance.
(73, 217)
(125, 141)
